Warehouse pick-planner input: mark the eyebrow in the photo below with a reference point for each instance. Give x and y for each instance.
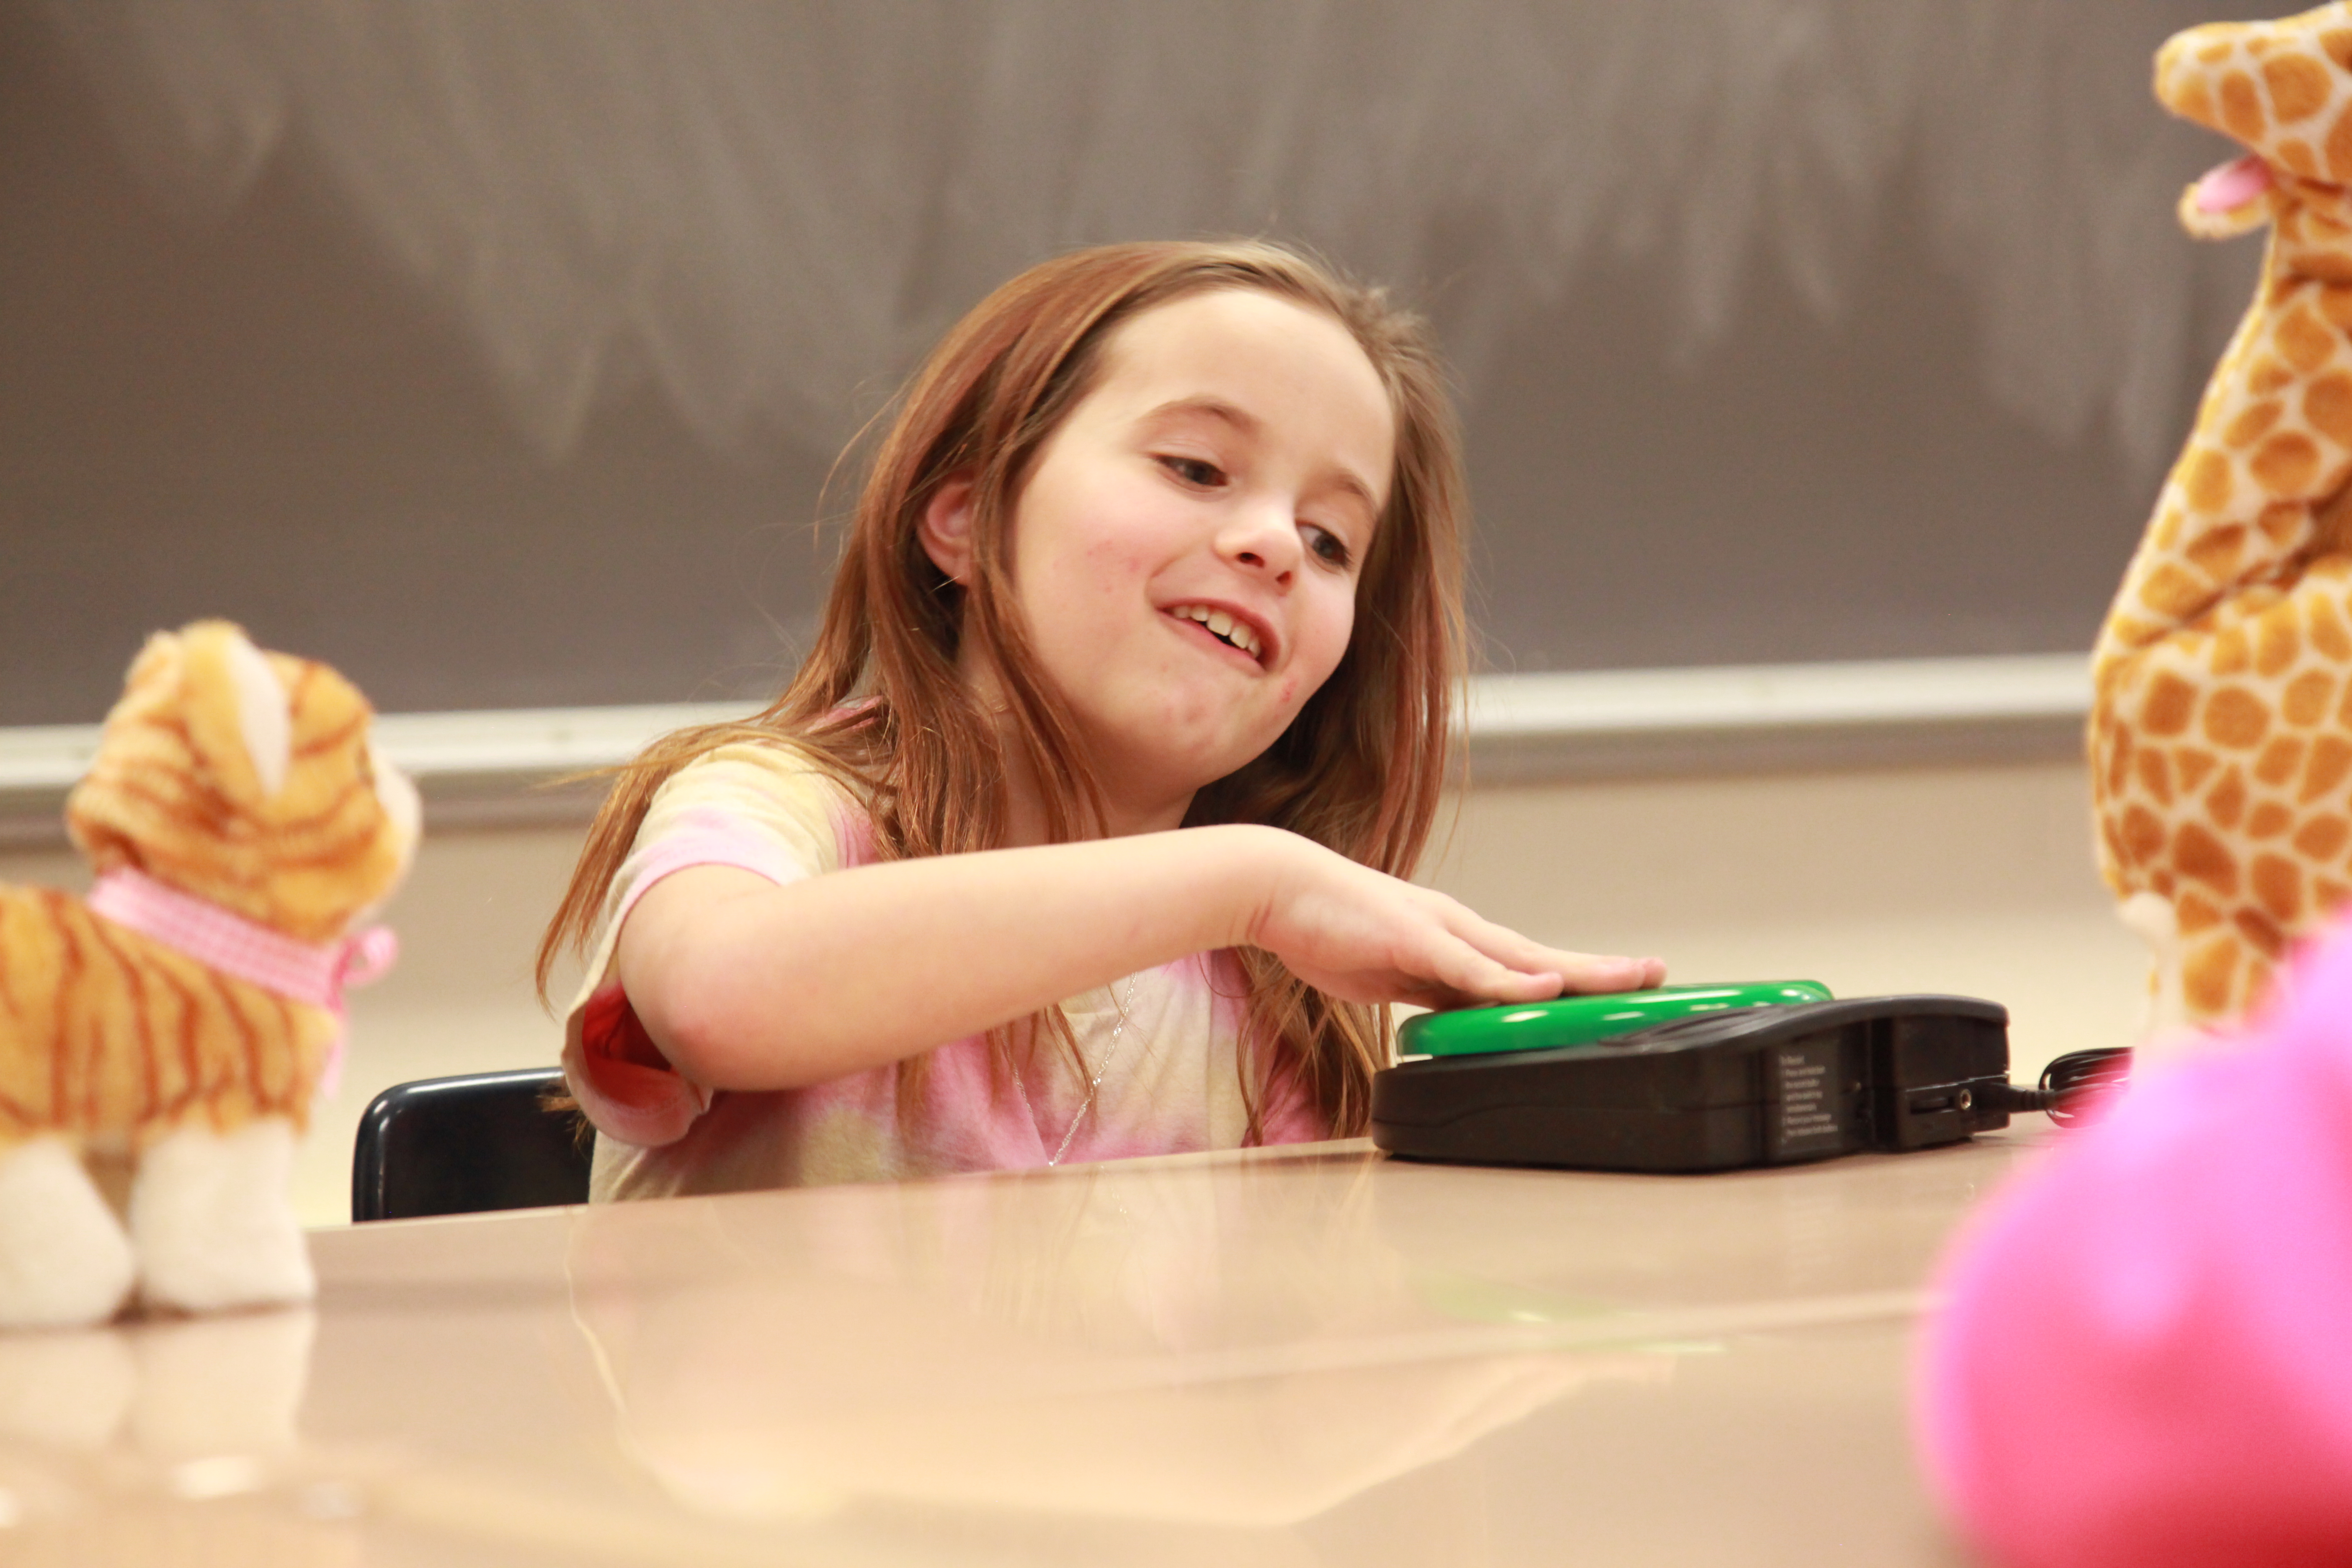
(1249, 424)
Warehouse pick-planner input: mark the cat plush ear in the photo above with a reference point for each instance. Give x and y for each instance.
(236, 711)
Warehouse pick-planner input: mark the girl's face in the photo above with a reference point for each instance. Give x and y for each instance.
(1186, 548)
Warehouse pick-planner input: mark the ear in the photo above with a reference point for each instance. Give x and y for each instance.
(946, 529)
(157, 667)
(238, 712)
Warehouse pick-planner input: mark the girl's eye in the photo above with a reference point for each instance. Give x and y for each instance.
(1327, 546)
(1195, 471)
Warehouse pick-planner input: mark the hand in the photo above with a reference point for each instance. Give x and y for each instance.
(1362, 936)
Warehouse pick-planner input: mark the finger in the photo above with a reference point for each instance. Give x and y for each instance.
(1560, 972)
(1583, 972)
(1593, 973)
(1580, 972)
(1586, 973)
(1470, 976)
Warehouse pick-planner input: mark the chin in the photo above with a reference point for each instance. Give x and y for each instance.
(1192, 768)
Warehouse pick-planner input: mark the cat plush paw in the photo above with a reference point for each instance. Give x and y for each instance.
(64, 1259)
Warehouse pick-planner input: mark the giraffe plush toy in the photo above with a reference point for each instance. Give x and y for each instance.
(2222, 729)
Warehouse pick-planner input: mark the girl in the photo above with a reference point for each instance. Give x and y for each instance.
(1163, 537)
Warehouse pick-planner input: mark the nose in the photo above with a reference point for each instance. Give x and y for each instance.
(1263, 539)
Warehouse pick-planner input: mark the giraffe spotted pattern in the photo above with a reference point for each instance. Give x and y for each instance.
(2220, 733)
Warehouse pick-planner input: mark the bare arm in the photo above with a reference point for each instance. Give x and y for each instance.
(748, 985)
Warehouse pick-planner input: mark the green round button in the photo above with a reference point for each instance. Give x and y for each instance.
(1580, 1020)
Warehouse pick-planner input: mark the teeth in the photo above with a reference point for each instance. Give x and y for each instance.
(1221, 625)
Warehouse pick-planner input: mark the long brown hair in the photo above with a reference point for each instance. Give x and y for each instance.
(879, 702)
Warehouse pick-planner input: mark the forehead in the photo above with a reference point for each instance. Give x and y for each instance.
(1293, 371)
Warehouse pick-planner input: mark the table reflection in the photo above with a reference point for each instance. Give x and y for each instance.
(1123, 1342)
(108, 1434)
(1287, 1358)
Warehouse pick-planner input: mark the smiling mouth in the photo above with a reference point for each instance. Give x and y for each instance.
(1233, 634)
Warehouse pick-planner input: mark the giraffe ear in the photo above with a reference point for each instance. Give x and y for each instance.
(238, 712)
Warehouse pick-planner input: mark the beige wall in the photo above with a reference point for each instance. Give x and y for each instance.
(1970, 880)
(1974, 881)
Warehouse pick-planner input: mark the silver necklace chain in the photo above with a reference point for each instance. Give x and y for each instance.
(1094, 1084)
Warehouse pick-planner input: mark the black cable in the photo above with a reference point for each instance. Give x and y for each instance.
(2015, 1097)
(2078, 1077)
(2066, 1084)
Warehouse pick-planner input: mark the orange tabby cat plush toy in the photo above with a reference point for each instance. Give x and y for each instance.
(162, 1042)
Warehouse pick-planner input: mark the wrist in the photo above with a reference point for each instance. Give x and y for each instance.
(1253, 866)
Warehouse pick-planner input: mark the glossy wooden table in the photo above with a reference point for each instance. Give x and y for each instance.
(1286, 1357)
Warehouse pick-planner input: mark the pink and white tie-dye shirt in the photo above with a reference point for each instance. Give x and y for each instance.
(1170, 1077)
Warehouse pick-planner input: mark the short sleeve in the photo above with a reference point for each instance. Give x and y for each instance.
(759, 809)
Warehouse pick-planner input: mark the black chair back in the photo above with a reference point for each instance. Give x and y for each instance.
(468, 1145)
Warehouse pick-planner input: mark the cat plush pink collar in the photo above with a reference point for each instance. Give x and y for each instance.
(311, 973)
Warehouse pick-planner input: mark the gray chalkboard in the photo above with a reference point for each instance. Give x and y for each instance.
(500, 354)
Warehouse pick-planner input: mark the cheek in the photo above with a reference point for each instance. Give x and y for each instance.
(1069, 586)
(1111, 567)
(1099, 591)
(1327, 643)
(1086, 556)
